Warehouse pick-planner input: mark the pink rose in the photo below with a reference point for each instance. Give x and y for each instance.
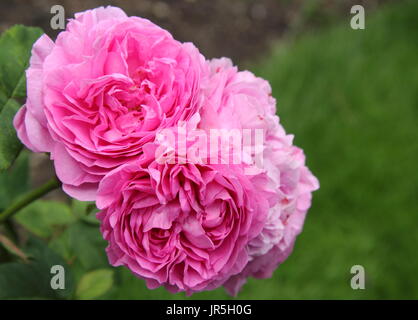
(111, 98)
(102, 90)
(235, 100)
(184, 226)
(196, 226)
(284, 222)
(240, 100)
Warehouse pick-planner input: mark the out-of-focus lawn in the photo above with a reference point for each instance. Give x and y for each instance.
(351, 99)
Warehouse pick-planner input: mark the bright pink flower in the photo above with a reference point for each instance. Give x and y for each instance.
(102, 90)
(99, 99)
(196, 226)
(241, 100)
(236, 100)
(184, 226)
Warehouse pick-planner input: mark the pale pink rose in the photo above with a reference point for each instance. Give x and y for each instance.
(241, 100)
(238, 100)
(182, 226)
(101, 91)
(285, 220)
(235, 100)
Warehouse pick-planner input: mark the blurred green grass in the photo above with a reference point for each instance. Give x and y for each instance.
(351, 99)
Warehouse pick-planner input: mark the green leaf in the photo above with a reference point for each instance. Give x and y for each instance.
(83, 245)
(14, 181)
(94, 284)
(10, 145)
(61, 245)
(43, 218)
(15, 50)
(12, 248)
(33, 279)
(88, 246)
(85, 211)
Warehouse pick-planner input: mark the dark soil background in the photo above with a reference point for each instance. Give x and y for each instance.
(240, 29)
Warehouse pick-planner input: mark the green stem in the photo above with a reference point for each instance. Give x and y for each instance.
(29, 198)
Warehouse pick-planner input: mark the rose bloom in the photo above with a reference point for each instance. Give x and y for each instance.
(101, 91)
(197, 226)
(183, 226)
(238, 99)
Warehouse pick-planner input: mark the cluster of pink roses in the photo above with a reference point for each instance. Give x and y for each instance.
(98, 97)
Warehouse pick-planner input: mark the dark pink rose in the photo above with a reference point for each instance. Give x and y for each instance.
(183, 226)
(101, 91)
